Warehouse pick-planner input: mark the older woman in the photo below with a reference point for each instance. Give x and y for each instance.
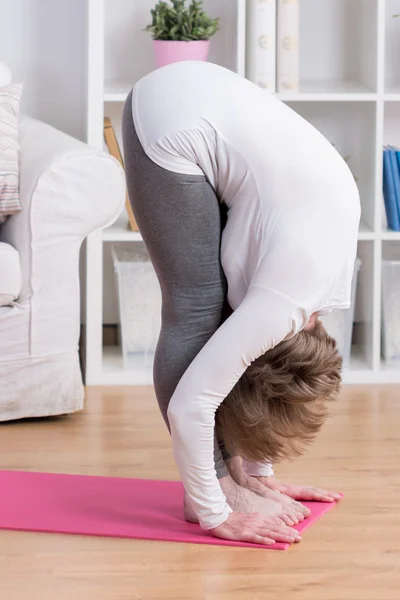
(200, 140)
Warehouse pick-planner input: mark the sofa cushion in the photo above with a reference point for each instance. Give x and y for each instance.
(10, 274)
(9, 169)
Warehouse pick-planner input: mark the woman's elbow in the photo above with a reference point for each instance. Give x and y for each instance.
(175, 414)
(180, 415)
(171, 414)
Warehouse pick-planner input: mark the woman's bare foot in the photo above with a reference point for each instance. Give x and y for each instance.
(296, 511)
(244, 500)
(188, 512)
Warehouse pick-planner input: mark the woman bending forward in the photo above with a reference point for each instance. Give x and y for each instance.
(241, 204)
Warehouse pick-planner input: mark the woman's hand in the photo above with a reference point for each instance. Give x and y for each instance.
(255, 529)
(299, 492)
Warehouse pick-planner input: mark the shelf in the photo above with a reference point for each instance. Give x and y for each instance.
(365, 233)
(392, 97)
(391, 40)
(359, 370)
(392, 89)
(392, 93)
(116, 90)
(328, 91)
(370, 377)
(358, 373)
(390, 367)
(342, 65)
(388, 234)
(389, 373)
(345, 91)
(114, 372)
(119, 231)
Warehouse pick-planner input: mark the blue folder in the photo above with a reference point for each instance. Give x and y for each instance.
(391, 181)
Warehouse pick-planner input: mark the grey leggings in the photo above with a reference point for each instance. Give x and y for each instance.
(179, 217)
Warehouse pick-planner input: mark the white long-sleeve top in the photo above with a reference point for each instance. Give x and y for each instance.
(288, 248)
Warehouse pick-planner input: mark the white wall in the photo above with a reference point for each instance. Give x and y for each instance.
(45, 44)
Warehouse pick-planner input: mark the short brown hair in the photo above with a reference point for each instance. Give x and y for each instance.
(280, 403)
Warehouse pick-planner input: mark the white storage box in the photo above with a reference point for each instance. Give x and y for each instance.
(139, 299)
(339, 323)
(391, 311)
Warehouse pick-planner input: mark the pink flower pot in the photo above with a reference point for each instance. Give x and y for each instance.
(167, 52)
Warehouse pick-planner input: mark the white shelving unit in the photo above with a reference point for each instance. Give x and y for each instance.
(350, 90)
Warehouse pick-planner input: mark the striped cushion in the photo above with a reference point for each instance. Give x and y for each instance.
(9, 169)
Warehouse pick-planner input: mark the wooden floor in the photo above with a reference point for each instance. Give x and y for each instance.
(352, 554)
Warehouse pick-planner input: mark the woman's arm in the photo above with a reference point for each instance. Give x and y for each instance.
(263, 320)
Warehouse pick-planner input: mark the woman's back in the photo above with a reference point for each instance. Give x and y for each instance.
(282, 180)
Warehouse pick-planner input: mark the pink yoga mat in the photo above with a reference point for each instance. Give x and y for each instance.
(107, 506)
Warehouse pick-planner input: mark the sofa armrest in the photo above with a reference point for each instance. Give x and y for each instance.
(67, 190)
(83, 188)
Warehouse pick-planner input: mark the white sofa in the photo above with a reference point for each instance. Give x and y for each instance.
(67, 190)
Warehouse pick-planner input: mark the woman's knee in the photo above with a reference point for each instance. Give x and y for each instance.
(200, 309)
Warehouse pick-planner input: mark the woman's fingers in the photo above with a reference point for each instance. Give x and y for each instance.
(255, 529)
(314, 494)
(290, 494)
(299, 492)
(280, 537)
(254, 538)
(281, 534)
(266, 539)
(325, 495)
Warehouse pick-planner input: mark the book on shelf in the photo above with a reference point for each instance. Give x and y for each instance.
(288, 22)
(261, 43)
(272, 44)
(391, 186)
(113, 148)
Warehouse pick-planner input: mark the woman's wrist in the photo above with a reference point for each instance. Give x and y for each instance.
(212, 523)
(254, 469)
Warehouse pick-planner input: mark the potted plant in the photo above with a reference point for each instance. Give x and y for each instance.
(181, 32)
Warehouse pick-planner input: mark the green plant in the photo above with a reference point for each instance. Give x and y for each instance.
(180, 22)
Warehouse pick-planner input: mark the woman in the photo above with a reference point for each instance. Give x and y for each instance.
(198, 138)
